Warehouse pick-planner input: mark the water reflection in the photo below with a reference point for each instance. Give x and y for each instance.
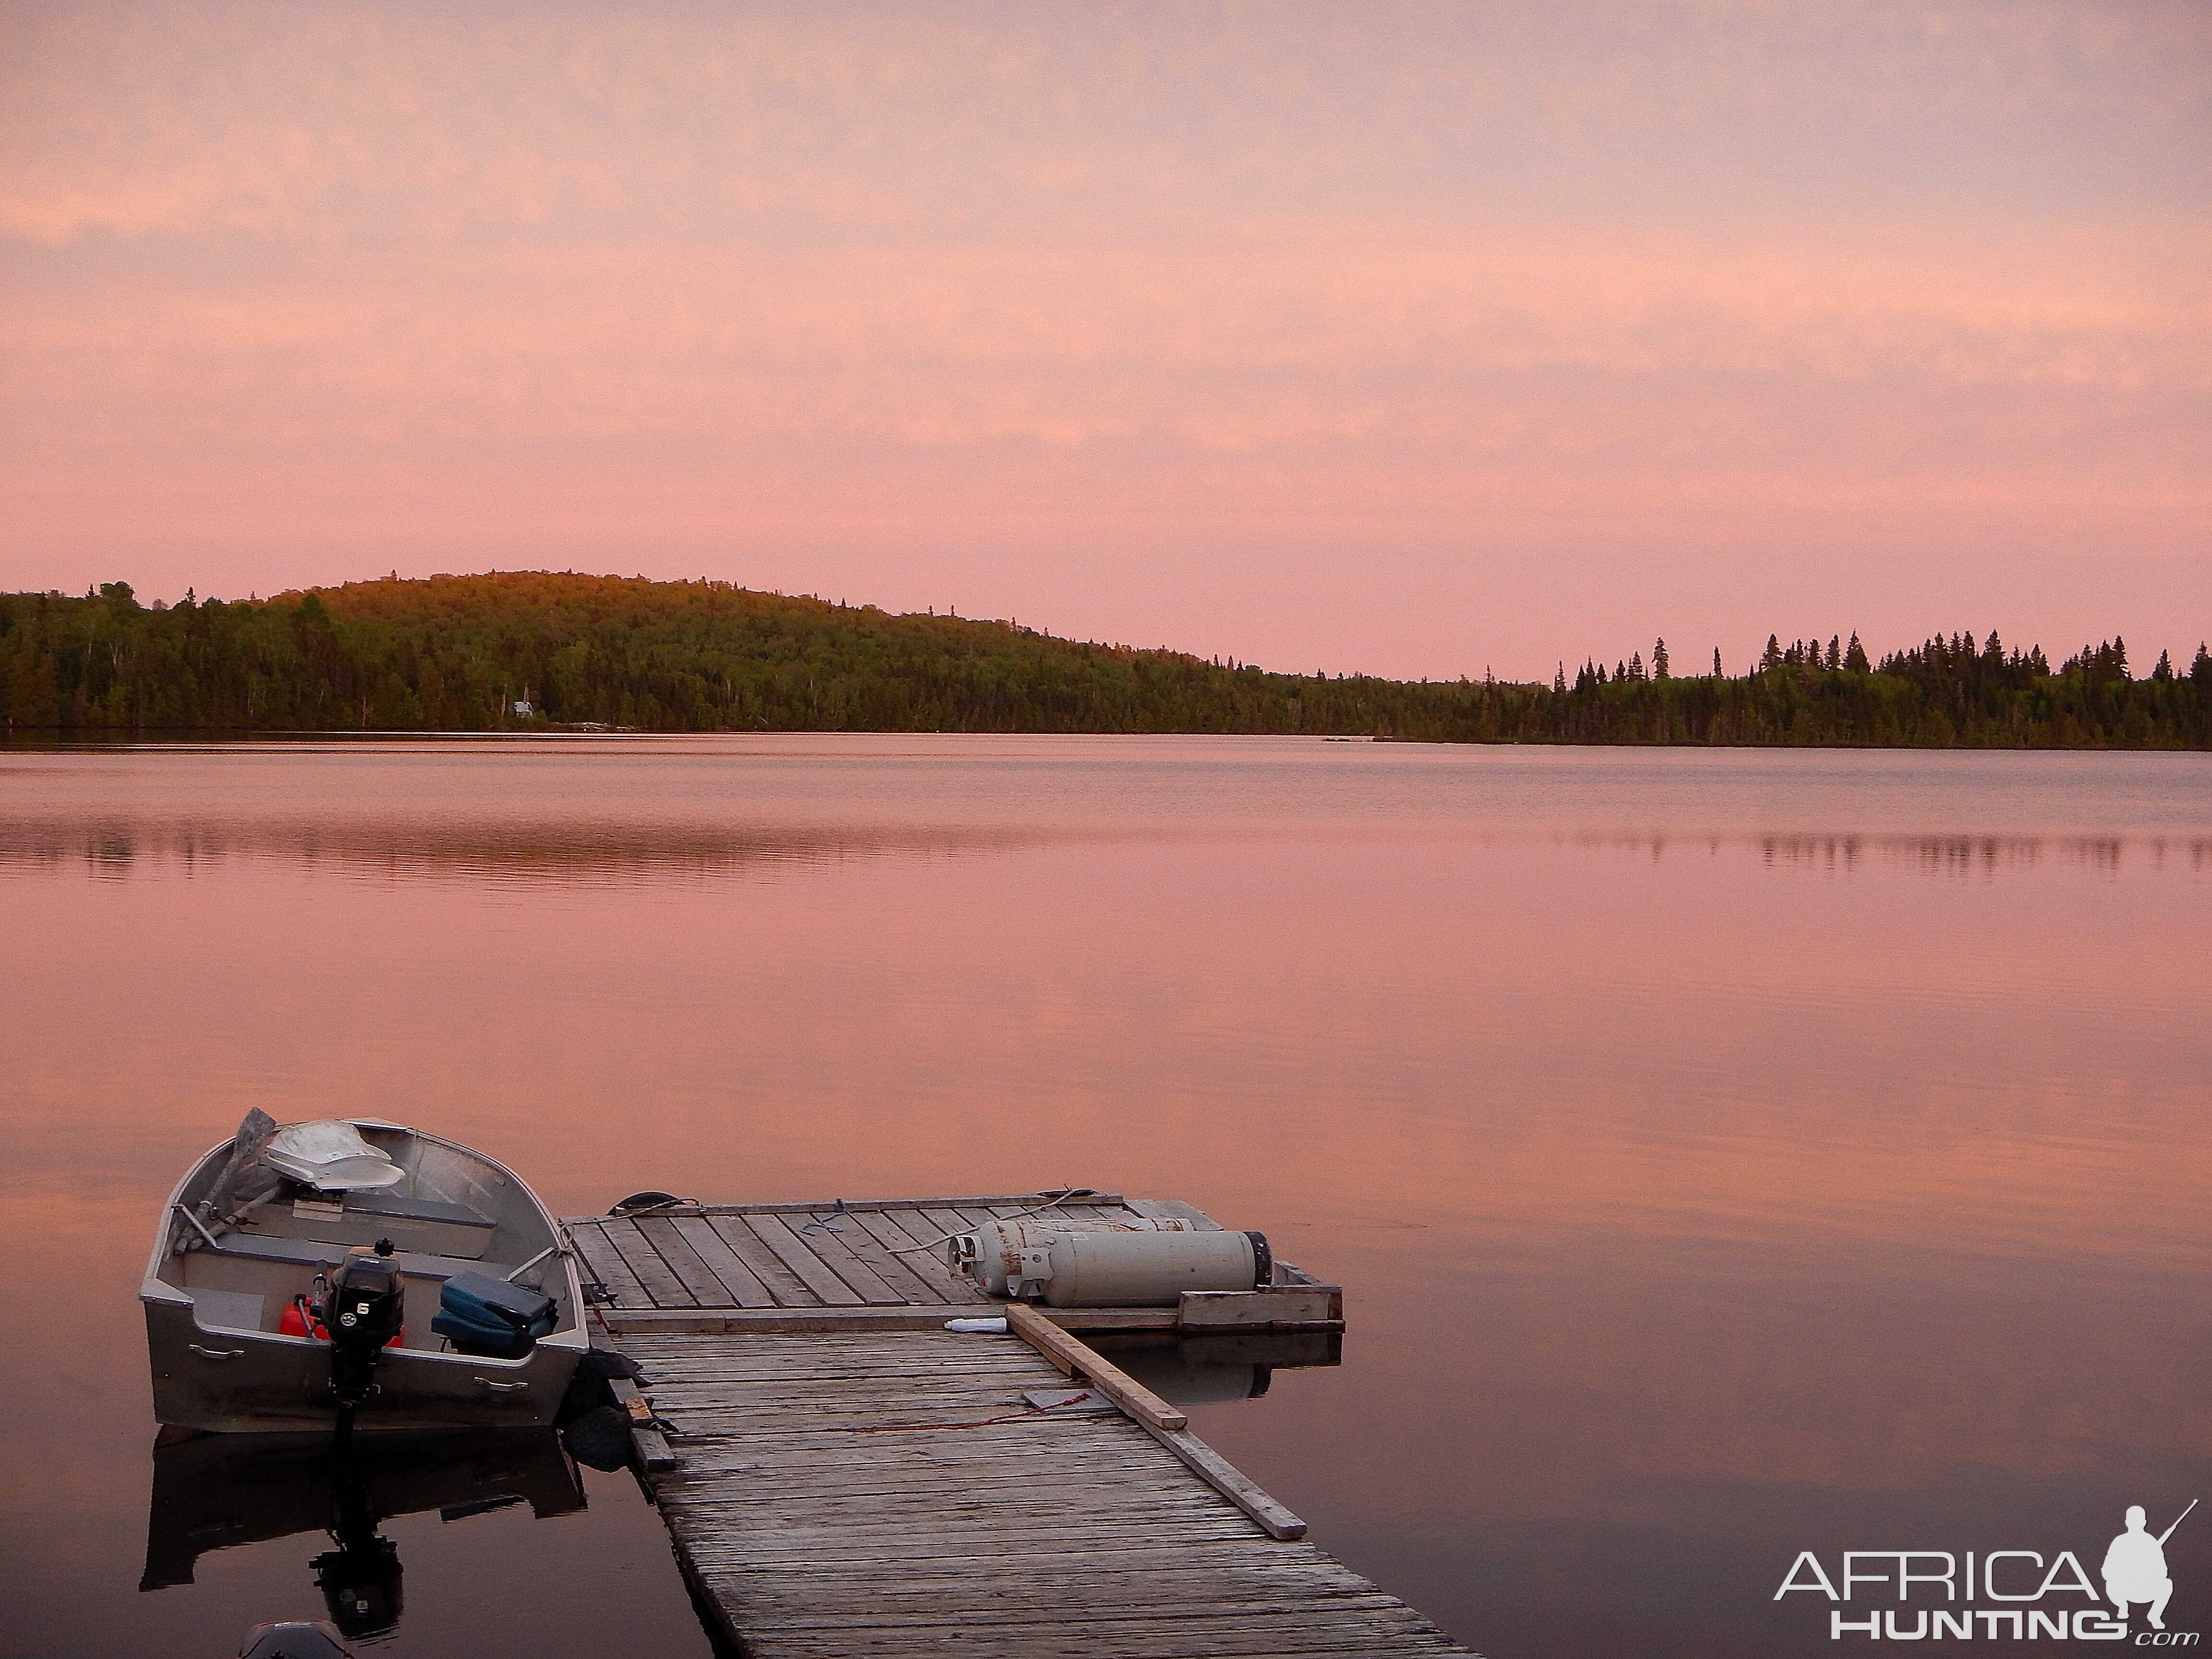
(498, 849)
(214, 1491)
(1218, 1368)
(1941, 855)
(489, 850)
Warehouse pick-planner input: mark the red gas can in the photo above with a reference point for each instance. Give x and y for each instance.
(298, 1320)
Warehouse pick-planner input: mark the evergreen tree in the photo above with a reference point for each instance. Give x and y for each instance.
(1659, 671)
(2164, 672)
(1717, 674)
(2100, 664)
(1855, 658)
(1771, 657)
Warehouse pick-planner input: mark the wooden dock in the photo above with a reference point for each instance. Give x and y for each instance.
(844, 1476)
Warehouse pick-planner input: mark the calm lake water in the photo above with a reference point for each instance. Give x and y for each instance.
(1727, 1154)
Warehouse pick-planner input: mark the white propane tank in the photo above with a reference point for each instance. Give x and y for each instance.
(1152, 1270)
(1019, 1252)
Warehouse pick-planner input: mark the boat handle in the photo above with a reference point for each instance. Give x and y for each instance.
(215, 1353)
(501, 1387)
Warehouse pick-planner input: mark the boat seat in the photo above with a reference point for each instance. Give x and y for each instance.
(432, 1226)
(417, 1209)
(313, 1253)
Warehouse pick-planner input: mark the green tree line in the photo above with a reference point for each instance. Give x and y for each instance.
(523, 650)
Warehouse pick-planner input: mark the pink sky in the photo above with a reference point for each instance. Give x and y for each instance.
(1406, 338)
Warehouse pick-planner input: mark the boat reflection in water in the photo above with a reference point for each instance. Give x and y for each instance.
(218, 1490)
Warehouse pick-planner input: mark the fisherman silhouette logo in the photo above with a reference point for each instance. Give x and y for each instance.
(2134, 1566)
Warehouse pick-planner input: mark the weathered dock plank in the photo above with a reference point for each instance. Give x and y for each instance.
(891, 1493)
(635, 1248)
(744, 1285)
(693, 1273)
(784, 1287)
(603, 1265)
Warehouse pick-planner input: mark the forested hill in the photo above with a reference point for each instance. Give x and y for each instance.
(461, 653)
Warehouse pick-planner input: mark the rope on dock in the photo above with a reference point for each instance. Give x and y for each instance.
(1058, 1199)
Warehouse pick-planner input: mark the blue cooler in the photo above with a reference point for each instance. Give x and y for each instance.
(492, 1319)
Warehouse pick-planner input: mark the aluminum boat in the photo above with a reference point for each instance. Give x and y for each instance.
(253, 1234)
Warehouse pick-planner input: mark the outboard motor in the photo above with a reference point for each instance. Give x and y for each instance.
(363, 1311)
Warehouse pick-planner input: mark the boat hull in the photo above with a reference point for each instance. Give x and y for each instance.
(211, 1301)
(245, 1382)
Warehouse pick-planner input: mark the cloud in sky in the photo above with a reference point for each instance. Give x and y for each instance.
(1409, 338)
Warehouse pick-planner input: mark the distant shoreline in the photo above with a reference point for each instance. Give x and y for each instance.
(32, 740)
(530, 653)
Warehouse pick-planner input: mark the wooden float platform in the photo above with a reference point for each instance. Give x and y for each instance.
(844, 1476)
